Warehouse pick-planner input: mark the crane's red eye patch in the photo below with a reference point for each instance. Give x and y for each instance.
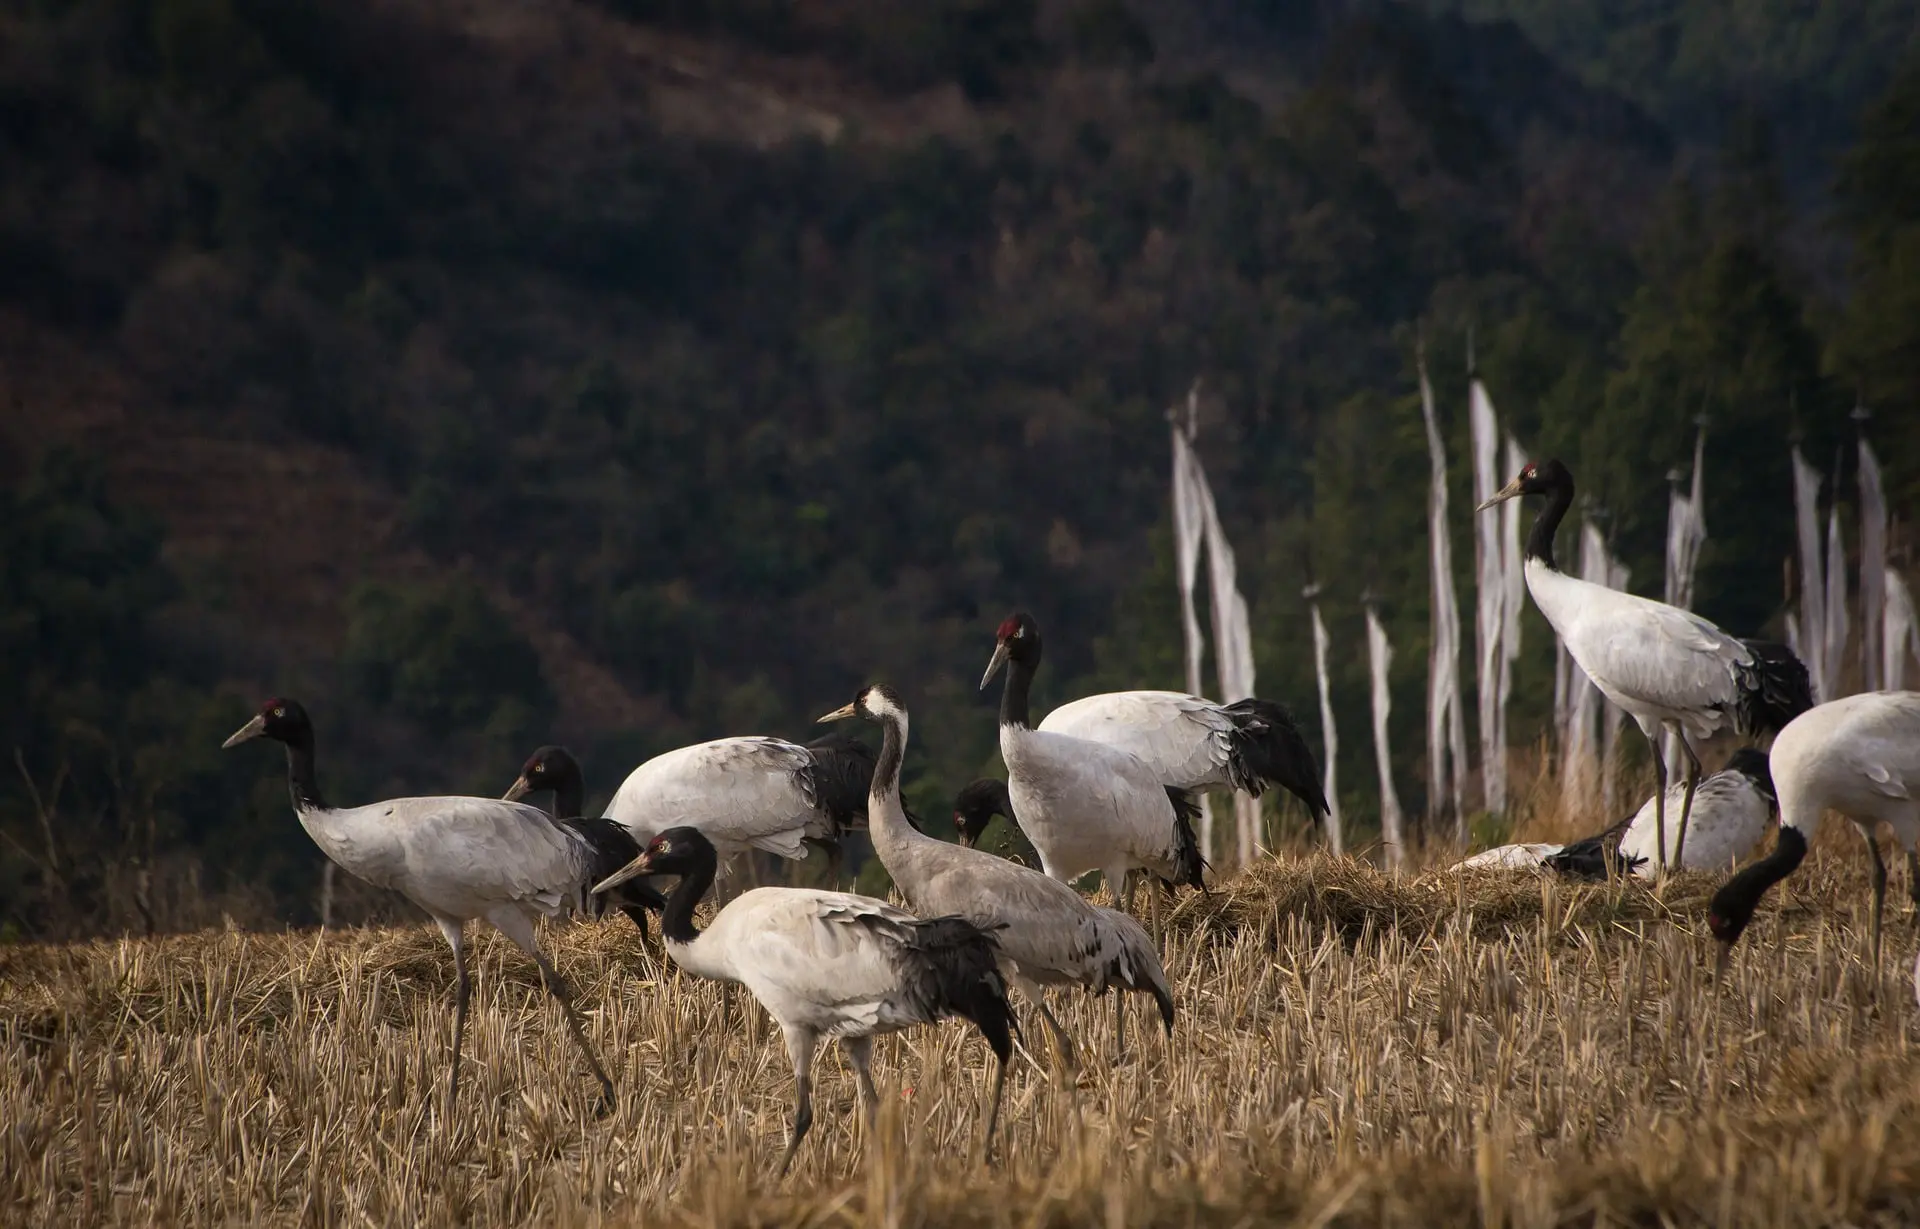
(1528, 472)
(1009, 628)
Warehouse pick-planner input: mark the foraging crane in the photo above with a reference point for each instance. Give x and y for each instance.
(1191, 743)
(1085, 805)
(555, 768)
(456, 858)
(1048, 933)
(1665, 667)
(1730, 813)
(831, 964)
(1859, 756)
(743, 793)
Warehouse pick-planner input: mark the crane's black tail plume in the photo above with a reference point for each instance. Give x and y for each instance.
(1588, 857)
(952, 967)
(611, 847)
(1266, 749)
(1189, 864)
(839, 779)
(1774, 688)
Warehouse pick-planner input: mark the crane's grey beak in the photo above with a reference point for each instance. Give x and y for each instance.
(960, 830)
(840, 714)
(632, 870)
(518, 790)
(1510, 491)
(1000, 654)
(248, 732)
(1721, 962)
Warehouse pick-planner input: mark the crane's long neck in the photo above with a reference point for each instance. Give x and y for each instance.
(886, 814)
(1547, 524)
(569, 797)
(676, 920)
(1013, 701)
(301, 781)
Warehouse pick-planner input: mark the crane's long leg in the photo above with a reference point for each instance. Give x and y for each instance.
(859, 1052)
(462, 991)
(515, 926)
(1126, 895)
(1879, 893)
(1686, 804)
(993, 1109)
(800, 1046)
(1063, 1045)
(1659, 801)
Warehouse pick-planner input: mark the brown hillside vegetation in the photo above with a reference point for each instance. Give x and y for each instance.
(1352, 1050)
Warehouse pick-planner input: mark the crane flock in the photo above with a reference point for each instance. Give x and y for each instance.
(1103, 783)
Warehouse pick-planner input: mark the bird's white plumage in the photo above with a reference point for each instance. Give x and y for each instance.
(1183, 739)
(813, 959)
(1655, 662)
(743, 793)
(1087, 806)
(1730, 816)
(1509, 857)
(1859, 756)
(456, 857)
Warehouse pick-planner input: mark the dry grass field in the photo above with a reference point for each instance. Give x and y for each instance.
(1352, 1050)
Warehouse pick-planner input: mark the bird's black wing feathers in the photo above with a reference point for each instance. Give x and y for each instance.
(1774, 689)
(1266, 749)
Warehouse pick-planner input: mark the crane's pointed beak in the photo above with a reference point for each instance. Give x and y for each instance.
(1000, 654)
(960, 831)
(248, 732)
(839, 714)
(632, 870)
(518, 790)
(1722, 962)
(1510, 491)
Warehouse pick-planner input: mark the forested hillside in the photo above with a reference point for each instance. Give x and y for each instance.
(633, 372)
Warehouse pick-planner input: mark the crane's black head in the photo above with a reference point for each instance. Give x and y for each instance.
(677, 851)
(284, 721)
(1018, 640)
(551, 768)
(1534, 478)
(876, 702)
(1733, 905)
(975, 806)
(1752, 763)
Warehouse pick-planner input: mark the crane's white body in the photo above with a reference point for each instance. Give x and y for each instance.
(1087, 806)
(825, 962)
(1859, 756)
(1509, 858)
(742, 793)
(1657, 663)
(1185, 741)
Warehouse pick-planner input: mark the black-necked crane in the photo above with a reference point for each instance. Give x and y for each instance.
(458, 859)
(1048, 933)
(554, 768)
(831, 965)
(1860, 756)
(1085, 805)
(1665, 667)
(1192, 743)
(975, 806)
(1730, 813)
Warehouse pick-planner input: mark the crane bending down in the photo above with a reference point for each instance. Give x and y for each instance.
(1859, 756)
(1048, 933)
(456, 858)
(555, 768)
(1730, 813)
(831, 964)
(1192, 743)
(1084, 804)
(1665, 667)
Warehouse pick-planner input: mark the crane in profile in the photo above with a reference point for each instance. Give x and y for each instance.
(831, 965)
(458, 859)
(1665, 667)
(1860, 756)
(1048, 933)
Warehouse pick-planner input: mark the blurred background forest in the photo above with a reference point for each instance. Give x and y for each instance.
(630, 372)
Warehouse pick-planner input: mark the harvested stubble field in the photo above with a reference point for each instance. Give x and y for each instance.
(1352, 1050)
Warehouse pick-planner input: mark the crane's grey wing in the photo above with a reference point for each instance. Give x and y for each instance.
(466, 854)
(1728, 819)
(1077, 797)
(740, 792)
(829, 960)
(1661, 656)
(1184, 740)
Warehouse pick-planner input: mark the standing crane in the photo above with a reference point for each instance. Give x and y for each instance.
(1048, 933)
(1085, 805)
(831, 964)
(1859, 756)
(456, 858)
(1665, 667)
